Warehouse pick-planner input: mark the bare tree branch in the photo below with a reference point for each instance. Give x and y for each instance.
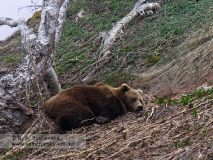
(31, 8)
(26, 110)
(8, 21)
(140, 8)
(61, 20)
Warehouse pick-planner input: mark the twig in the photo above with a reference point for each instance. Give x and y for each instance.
(153, 109)
(107, 145)
(27, 110)
(87, 120)
(171, 155)
(137, 140)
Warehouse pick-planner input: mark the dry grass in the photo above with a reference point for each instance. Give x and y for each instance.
(171, 132)
(191, 67)
(166, 132)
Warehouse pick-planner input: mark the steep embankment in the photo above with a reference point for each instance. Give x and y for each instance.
(191, 67)
(167, 53)
(175, 33)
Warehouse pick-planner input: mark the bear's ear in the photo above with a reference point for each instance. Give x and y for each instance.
(125, 87)
(140, 91)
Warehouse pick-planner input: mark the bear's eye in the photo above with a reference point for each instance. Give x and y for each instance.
(133, 100)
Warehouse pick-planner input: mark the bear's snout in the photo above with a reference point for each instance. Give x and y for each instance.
(139, 108)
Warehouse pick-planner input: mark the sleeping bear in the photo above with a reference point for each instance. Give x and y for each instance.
(83, 105)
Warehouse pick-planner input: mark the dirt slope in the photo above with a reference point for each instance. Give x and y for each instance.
(177, 127)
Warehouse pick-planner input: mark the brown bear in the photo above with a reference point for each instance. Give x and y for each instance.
(83, 105)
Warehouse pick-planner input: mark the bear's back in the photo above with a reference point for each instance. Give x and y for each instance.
(93, 97)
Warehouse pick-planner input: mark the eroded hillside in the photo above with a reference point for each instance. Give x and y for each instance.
(191, 67)
(168, 54)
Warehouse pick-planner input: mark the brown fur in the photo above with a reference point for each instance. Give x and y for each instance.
(83, 105)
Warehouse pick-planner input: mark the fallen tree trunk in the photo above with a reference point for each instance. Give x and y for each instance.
(140, 8)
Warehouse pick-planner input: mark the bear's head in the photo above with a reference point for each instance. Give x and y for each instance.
(132, 98)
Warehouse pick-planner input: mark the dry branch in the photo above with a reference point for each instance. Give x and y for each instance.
(140, 8)
(153, 109)
(26, 110)
(137, 140)
(8, 21)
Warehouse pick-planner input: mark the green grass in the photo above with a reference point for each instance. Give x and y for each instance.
(15, 156)
(118, 78)
(185, 99)
(194, 113)
(145, 42)
(151, 60)
(99, 17)
(180, 144)
(10, 59)
(199, 93)
(172, 25)
(159, 100)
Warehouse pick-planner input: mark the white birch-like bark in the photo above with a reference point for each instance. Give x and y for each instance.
(39, 51)
(61, 20)
(140, 8)
(8, 21)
